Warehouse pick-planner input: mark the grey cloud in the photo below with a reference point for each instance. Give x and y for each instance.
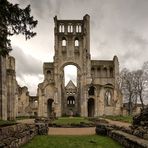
(25, 63)
(118, 27)
(136, 48)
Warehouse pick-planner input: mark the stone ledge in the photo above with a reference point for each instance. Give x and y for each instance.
(129, 141)
(123, 135)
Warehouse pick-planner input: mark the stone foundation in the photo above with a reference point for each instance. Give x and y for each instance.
(42, 125)
(16, 135)
(125, 136)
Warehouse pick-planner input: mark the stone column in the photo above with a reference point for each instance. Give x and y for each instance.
(96, 106)
(3, 89)
(40, 102)
(101, 102)
(11, 87)
(10, 94)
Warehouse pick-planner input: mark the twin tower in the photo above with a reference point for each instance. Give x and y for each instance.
(96, 92)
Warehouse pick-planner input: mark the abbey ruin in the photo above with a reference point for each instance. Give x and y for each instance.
(96, 92)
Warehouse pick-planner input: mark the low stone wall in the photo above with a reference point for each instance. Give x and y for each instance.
(128, 140)
(125, 136)
(16, 135)
(42, 125)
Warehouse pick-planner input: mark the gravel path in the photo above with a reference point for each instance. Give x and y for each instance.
(71, 131)
(118, 123)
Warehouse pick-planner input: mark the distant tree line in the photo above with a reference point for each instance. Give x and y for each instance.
(134, 86)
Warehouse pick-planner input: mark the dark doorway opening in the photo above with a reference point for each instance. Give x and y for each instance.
(91, 107)
(50, 107)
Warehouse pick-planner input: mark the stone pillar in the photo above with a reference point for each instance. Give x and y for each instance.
(101, 102)
(40, 102)
(59, 101)
(11, 88)
(16, 102)
(96, 106)
(3, 89)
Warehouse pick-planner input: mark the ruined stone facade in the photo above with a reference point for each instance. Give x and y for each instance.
(96, 92)
(8, 88)
(14, 100)
(27, 105)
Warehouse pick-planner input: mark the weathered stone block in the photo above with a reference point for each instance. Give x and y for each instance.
(101, 129)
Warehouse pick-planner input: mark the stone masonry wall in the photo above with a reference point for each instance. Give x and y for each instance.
(16, 135)
(125, 136)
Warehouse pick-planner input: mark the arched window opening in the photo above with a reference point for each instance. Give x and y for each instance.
(63, 42)
(78, 28)
(98, 71)
(70, 28)
(92, 71)
(61, 28)
(76, 42)
(111, 72)
(70, 101)
(108, 97)
(48, 72)
(105, 72)
(91, 91)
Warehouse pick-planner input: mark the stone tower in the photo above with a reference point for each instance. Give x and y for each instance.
(96, 92)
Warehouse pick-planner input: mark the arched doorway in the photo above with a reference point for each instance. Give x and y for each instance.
(70, 73)
(91, 107)
(49, 107)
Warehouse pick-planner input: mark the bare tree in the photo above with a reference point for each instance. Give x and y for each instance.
(145, 77)
(134, 86)
(127, 87)
(139, 84)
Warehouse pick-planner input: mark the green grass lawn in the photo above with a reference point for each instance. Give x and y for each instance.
(94, 141)
(128, 119)
(24, 117)
(70, 120)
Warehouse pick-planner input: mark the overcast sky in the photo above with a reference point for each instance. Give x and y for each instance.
(118, 27)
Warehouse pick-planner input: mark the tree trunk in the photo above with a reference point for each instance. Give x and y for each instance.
(141, 100)
(130, 105)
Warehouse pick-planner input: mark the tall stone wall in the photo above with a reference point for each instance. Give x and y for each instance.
(23, 101)
(3, 89)
(11, 88)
